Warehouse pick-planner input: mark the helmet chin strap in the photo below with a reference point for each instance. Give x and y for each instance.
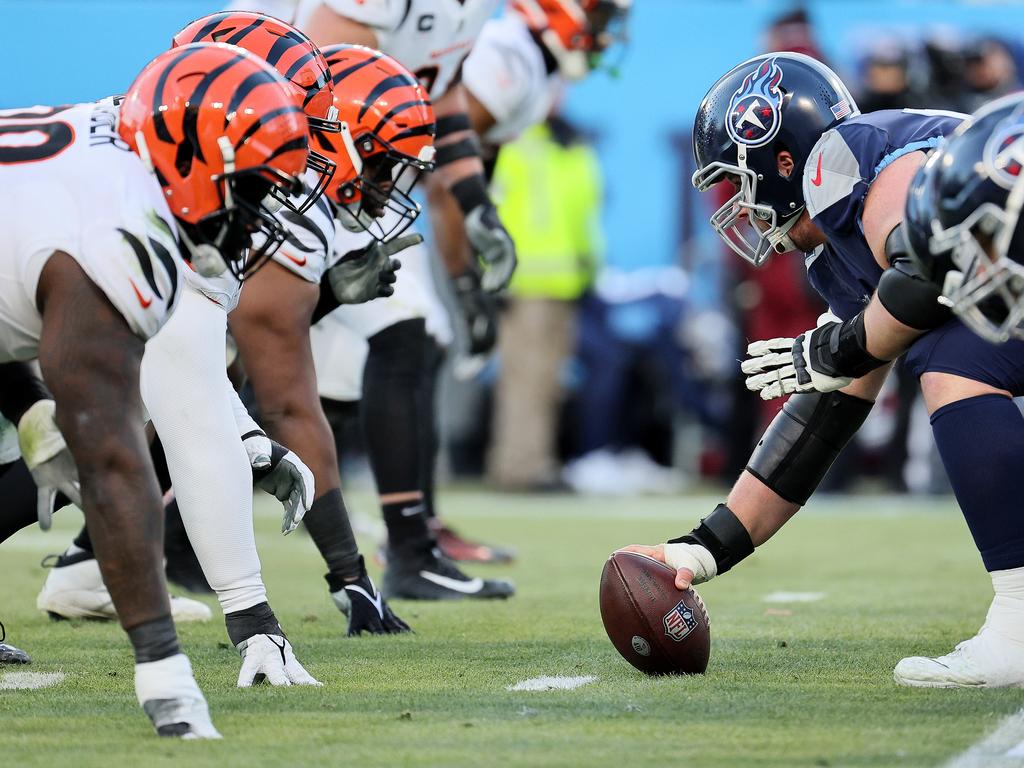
(572, 65)
(206, 259)
(780, 239)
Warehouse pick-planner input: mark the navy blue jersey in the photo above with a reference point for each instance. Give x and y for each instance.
(839, 171)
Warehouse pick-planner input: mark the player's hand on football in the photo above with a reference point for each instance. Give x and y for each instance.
(48, 459)
(369, 273)
(779, 367)
(693, 563)
(493, 245)
(270, 658)
(282, 474)
(479, 311)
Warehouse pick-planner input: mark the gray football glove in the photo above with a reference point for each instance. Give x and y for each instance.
(369, 273)
(493, 246)
(48, 459)
(282, 474)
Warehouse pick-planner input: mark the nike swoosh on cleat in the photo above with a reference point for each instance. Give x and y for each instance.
(465, 587)
(375, 600)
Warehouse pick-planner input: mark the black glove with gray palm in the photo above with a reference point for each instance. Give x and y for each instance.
(479, 311)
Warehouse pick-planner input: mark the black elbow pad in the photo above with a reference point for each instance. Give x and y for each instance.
(910, 297)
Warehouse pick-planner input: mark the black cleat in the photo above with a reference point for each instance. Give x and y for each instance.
(364, 605)
(429, 575)
(9, 654)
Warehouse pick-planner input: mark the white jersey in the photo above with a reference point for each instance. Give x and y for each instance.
(428, 37)
(507, 74)
(68, 183)
(309, 249)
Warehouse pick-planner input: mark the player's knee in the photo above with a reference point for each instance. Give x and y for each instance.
(941, 389)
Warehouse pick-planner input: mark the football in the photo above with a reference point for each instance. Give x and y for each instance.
(657, 628)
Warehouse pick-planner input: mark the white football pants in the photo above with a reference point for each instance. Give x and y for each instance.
(193, 406)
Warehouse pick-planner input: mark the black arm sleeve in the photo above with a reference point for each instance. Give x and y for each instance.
(20, 389)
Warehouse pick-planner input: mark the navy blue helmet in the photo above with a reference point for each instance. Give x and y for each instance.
(963, 219)
(769, 104)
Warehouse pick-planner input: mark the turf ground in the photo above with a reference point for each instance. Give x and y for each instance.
(800, 684)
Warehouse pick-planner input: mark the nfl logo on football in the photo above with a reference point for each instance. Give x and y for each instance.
(679, 622)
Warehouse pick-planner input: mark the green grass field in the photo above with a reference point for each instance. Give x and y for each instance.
(803, 684)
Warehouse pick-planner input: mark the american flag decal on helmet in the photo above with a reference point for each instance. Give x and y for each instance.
(841, 109)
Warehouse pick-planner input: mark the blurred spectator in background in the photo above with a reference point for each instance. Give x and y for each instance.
(990, 72)
(889, 80)
(549, 186)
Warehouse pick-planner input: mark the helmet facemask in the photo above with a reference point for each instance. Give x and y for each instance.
(986, 290)
(224, 238)
(378, 199)
(735, 220)
(322, 167)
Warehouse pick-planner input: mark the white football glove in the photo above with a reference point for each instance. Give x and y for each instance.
(270, 658)
(282, 474)
(369, 273)
(778, 367)
(48, 459)
(493, 246)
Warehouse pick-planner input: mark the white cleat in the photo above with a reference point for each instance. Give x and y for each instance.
(987, 660)
(168, 693)
(74, 589)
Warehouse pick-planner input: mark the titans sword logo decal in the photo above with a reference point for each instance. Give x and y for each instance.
(755, 110)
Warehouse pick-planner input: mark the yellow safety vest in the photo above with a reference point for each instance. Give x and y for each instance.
(549, 199)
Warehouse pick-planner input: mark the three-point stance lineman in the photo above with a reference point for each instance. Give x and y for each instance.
(91, 208)
(811, 174)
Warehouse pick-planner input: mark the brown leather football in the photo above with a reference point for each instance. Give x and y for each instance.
(656, 628)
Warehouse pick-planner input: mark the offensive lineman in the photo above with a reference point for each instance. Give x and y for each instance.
(84, 290)
(812, 174)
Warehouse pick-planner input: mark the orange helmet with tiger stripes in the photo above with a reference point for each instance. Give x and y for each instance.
(293, 55)
(219, 128)
(386, 140)
(575, 31)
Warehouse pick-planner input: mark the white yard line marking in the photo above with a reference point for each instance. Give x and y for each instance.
(552, 683)
(793, 597)
(1003, 748)
(27, 681)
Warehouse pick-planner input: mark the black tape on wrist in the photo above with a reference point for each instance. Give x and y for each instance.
(258, 620)
(471, 192)
(852, 356)
(457, 150)
(449, 124)
(723, 535)
(805, 438)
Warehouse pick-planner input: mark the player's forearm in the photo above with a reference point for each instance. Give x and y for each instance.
(449, 229)
(456, 139)
(761, 510)
(887, 338)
